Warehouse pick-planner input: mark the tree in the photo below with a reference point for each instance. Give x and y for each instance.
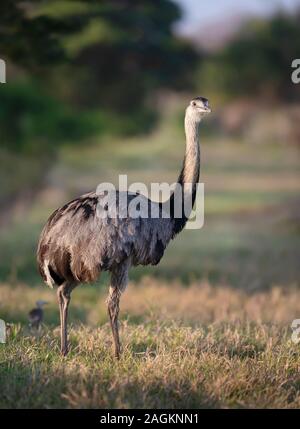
(117, 51)
(103, 57)
(257, 63)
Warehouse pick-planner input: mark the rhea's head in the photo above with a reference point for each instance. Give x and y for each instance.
(197, 108)
(41, 303)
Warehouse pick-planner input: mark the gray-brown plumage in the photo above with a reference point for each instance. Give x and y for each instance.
(36, 315)
(77, 244)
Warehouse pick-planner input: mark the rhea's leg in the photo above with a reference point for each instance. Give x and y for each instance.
(119, 280)
(113, 312)
(64, 296)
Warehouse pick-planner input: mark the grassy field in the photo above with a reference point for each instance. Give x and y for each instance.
(208, 327)
(193, 347)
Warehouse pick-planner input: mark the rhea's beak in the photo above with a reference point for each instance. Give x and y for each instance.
(205, 109)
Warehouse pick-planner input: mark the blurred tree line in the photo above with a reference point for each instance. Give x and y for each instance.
(257, 62)
(76, 68)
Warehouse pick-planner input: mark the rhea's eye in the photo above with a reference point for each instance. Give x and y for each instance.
(194, 103)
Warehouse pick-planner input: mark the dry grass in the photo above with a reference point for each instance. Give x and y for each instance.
(203, 303)
(199, 346)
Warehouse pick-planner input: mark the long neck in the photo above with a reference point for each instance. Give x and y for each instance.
(191, 164)
(188, 178)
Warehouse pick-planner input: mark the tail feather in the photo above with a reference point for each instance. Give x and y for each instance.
(49, 280)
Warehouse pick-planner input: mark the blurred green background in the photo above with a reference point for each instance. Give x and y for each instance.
(98, 88)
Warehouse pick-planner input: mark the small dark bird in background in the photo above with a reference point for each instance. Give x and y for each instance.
(36, 315)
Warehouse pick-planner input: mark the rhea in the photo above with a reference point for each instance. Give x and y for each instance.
(77, 243)
(36, 315)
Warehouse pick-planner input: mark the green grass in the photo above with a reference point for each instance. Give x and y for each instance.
(223, 366)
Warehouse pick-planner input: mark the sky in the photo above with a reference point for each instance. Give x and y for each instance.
(197, 13)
